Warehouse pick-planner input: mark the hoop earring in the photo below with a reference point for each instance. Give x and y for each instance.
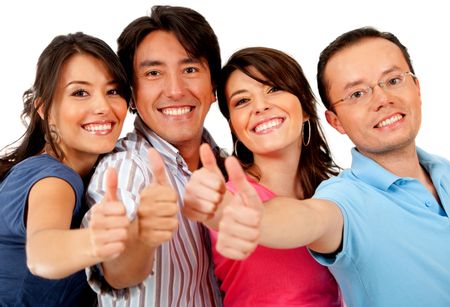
(235, 148)
(133, 105)
(53, 135)
(308, 139)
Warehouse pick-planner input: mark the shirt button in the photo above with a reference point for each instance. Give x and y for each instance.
(427, 203)
(179, 161)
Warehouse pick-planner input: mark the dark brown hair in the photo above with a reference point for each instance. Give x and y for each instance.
(282, 71)
(48, 71)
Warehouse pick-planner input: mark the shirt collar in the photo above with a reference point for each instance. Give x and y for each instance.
(170, 153)
(436, 167)
(371, 172)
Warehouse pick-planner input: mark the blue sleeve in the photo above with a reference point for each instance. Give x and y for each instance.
(345, 194)
(16, 187)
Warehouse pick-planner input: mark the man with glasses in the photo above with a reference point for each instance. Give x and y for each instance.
(382, 226)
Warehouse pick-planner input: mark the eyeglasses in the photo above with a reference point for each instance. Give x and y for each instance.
(363, 94)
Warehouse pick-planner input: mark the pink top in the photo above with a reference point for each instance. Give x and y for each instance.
(274, 277)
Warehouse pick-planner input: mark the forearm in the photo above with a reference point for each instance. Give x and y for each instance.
(133, 265)
(290, 223)
(58, 253)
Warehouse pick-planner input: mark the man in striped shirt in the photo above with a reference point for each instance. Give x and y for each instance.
(172, 58)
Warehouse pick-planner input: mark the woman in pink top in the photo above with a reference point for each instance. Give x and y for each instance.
(279, 142)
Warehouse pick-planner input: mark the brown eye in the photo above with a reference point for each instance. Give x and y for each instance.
(80, 93)
(241, 101)
(191, 70)
(152, 73)
(274, 89)
(113, 92)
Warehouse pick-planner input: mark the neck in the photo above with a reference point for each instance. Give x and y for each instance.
(279, 173)
(79, 162)
(190, 153)
(402, 162)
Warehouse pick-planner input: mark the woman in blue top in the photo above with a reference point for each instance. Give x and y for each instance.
(75, 112)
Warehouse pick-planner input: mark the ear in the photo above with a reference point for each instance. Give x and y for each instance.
(213, 97)
(417, 82)
(334, 121)
(305, 116)
(39, 106)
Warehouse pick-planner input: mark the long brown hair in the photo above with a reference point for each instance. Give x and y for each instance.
(49, 66)
(282, 71)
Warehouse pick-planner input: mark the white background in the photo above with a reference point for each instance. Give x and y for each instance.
(300, 28)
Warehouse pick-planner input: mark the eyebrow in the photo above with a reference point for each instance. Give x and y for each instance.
(150, 63)
(81, 82)
(384, 73)
(237, 93)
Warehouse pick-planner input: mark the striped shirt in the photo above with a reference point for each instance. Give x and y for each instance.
(182, 272)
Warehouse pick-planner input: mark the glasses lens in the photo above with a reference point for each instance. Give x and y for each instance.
(394, 80)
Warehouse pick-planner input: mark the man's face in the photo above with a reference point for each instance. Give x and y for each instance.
(173, 92)
(390, 119)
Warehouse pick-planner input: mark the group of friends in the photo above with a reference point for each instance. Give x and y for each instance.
(164, 217)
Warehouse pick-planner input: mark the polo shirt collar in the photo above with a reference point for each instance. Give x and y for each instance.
(427, 161)
(371, 172)
(436, 167)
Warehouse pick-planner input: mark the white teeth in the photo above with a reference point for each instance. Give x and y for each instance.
(267, 125)
(176, 111)
(96, 127)
(389, 121)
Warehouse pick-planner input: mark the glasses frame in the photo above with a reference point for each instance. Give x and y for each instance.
(369, 89)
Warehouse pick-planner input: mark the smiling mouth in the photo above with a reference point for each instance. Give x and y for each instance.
(98, 128)
(176, 111)
(266, 126)
(389, 121)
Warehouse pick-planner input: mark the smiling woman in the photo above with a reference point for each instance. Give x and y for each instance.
(75, 112)
(272, 113)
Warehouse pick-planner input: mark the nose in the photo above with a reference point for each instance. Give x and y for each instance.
(102, 105)
(380, 97)
(261, 106)
(174, 86)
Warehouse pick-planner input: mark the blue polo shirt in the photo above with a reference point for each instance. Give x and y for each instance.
(396, 239)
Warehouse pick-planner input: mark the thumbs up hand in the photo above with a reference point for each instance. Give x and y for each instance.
(205, 189)
(158, 208)
(239, 228)
(109, 224)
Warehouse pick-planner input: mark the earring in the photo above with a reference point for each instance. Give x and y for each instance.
(132, 101)
(53, 135)
(235, 148)
(309, 133)
(132, 106)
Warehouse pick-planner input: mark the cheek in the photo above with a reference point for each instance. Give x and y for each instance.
(120, 110)
(145, 90)
(70, 115)
(239, 123)
(143, 105)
